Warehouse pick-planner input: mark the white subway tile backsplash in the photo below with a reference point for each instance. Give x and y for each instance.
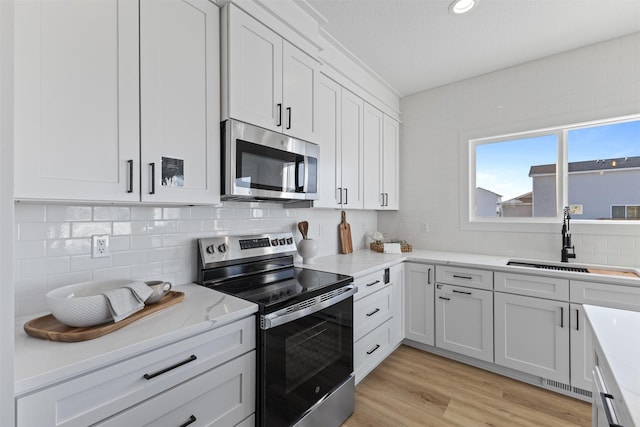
(176, 213)
(25, 249)
(128, 258)
(161, 227)
(68, 213)
(111, 213)
(29, 212)
(63, 247)
(146, 241)
(54, 281)
(88, 229)
(85, 262)
(41, 231)
(149, 271)
(112, 273)
(139, 213)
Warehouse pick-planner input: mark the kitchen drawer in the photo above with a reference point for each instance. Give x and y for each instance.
(368, 284)
(223, 396)
(371, 350)
(370, 312)
(470, 277)
(534, 286)
(90, 398)
(614, 296)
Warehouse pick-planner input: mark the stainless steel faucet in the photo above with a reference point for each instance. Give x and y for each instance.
(566, 238)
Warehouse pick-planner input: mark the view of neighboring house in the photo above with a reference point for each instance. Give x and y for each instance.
(606, 189)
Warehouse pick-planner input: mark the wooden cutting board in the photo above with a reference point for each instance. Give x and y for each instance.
(345, 235)
(49, 328)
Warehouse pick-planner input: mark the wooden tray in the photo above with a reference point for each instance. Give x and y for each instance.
(49, 328)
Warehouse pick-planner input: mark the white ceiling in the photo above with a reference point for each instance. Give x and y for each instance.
(416, 45)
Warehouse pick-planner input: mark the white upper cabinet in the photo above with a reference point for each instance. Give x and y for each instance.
(180, 109)
(267, 81)
(102, 87)
(76, 100)
(328, 119)
(381, 134)
(372, 165)
(351, 155)
(391, 163)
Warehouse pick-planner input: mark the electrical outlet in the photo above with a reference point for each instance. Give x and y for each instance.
(424, 227)
(575, 209)
(100, 246)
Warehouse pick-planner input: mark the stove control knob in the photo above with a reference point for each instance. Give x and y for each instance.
(289, 241)
(222, 248)
(274, 242)
(211, 249)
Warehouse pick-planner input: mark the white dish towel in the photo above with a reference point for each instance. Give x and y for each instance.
(125, 301)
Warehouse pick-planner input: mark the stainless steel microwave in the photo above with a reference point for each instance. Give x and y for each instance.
(258, 164)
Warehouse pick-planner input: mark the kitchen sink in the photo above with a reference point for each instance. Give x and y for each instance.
(611, 271)
(548, 266)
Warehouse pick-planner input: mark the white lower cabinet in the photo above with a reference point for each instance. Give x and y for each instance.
(419, 302)
(170, 380)
(377, 318)
(581, 349)
(223, 396)
(532, 335)
(464, 321)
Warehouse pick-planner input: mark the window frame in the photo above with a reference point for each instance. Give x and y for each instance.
(533, 224)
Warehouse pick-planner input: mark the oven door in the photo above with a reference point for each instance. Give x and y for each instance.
(303, 361)
(268, 165)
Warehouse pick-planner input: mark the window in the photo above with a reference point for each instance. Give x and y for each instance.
(531, 176)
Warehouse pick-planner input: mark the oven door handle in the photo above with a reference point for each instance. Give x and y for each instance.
(291, 313)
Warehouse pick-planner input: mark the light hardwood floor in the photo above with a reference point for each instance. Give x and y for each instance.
(416, 388)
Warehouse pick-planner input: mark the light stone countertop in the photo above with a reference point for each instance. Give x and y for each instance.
(363, 262)
(40, 362)
(617, 333)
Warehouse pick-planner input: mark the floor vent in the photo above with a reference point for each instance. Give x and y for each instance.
(556, 384)
(582, 392)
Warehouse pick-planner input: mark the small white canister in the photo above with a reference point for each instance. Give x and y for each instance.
(307, 248)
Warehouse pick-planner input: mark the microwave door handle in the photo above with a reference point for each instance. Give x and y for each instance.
(298, 188)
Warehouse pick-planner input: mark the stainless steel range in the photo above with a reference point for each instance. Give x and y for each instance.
(305, 327)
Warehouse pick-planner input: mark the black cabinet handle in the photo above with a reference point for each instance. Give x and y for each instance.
(445, 298)
(373, 349)
(373, 312)
(289, 114)
(153, 178)
(279, 115)
(577, 320)
(191, 420)
(461, 292)
(462, 277)
(428, 276)
(165, 370)
(340, 191)
(130, 189)
(346, 196)
(562, 317)
(373, 283)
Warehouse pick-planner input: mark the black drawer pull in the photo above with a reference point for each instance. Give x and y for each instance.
(445, 298)
(373, 349)
(191, 420)
(165, 370)
(607, 409)
(428, 276)
(562, 317)
(289, 113)
(577, 320)
(462, 277)
(373, 312)
(462, 292)
(279, 106)
(373, 283)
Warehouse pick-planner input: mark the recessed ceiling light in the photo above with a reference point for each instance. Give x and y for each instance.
(458, 7)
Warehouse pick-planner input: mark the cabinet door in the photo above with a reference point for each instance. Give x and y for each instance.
(464, 321)
(299, 84)
(254, 71)
(352, 153)
(328, 113)
(532, 335)
(372, 163)
(179, 85)
(397, 303)
(76, 100)
(581, 349)
(390, 163)
(419, 303)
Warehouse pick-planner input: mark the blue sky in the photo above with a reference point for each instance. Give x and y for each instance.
(503, 167)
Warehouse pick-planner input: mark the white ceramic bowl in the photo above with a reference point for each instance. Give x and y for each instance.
(82, 304)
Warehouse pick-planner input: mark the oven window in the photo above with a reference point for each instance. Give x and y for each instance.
(266, 168)
(304, 360)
